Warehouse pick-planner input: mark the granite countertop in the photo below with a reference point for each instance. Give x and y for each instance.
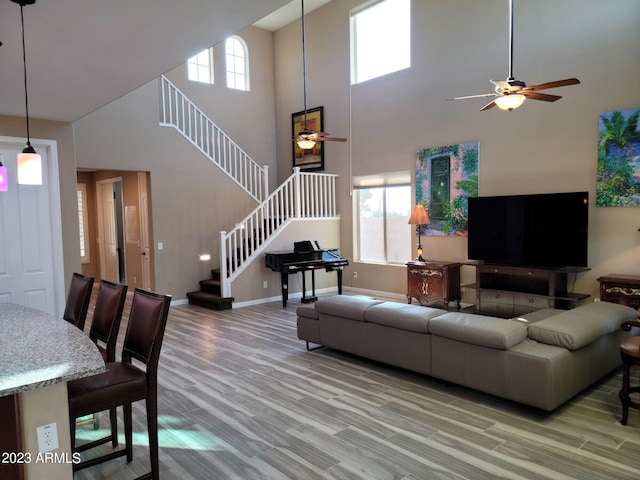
(39, 349)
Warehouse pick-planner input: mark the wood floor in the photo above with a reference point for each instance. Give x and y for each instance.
(241, 398)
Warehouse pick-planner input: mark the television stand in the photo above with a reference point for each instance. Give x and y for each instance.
(508, 291)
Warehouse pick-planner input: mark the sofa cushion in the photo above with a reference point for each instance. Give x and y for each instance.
(413, 318)
(538, 315)
(479, 330)
(581, 326)
(346, 306)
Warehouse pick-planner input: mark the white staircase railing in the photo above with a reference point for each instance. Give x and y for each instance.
(302, 195)
(177, 111)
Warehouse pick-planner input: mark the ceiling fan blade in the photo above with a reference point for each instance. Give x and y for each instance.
(556, 84)
(541, 96)
(488, 106)
(323, 136)
(482, 95)
(330, 139)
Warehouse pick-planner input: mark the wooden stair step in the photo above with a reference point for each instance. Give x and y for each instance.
(210, 300)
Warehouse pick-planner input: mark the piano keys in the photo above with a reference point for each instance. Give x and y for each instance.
(306, 255)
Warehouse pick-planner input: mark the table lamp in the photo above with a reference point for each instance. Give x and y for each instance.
(419, 217)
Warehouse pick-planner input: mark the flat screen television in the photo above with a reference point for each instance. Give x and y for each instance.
(548, 230)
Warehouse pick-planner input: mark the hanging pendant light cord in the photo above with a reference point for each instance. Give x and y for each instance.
(304, 71)
(24, 63)
(511, 77)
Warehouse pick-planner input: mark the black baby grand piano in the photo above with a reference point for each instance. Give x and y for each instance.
(306, 255)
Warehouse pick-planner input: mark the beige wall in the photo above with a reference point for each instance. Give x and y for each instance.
(456, 48)
(192, 199)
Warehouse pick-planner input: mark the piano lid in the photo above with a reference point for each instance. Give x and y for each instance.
(306, 246)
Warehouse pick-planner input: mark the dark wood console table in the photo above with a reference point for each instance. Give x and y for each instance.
(430, 282)
(509, 291)
(620, 288)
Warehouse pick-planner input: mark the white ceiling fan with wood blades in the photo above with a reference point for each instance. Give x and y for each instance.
(306, 138)
(511, 93)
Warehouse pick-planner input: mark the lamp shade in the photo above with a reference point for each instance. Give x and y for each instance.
(305, 144)
(4, 181)
(509, 102)
(29, 167)
(419, 216)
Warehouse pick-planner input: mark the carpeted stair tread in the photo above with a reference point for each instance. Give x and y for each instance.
(210, 300)
(211, 286)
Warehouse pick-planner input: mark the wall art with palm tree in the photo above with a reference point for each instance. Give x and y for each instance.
(618, 183)
(445, 178)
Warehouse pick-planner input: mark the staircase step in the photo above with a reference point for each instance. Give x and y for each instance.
(210, 300)
(211, 286)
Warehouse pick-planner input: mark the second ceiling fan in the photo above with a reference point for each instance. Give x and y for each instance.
(306, 138)
(511, 93)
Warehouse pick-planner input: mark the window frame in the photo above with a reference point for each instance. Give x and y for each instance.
(377, 51)
(240, 79)
(194, 61)
(83, 223)
(386, 182)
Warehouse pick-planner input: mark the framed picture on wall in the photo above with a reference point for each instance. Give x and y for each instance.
(313, 158)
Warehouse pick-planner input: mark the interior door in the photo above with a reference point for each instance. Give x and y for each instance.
(28, 235)
(109, 269)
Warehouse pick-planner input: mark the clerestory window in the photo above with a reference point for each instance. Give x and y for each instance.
(380, 39)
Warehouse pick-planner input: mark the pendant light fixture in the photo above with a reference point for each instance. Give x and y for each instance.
(29, 162)
(303, 141)
(4, 181)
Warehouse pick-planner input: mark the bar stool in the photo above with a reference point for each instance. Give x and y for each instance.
(78, 298)
(630, 353)
(124, 383)
(105, 325)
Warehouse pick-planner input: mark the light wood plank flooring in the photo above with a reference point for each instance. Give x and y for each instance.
(241, 398)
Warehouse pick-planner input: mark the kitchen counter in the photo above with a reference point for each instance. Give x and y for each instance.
(38, 349)
(39, 354)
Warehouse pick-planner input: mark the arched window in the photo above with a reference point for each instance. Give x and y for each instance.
(237, 60)
(200, 67)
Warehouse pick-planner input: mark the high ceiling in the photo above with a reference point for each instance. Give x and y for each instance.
(83, 54)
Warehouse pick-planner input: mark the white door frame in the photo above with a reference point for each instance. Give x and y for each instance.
(50, 166)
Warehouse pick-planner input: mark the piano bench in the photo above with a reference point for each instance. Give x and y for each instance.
(308, 325)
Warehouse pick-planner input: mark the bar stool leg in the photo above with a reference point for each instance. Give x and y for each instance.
(624, 392)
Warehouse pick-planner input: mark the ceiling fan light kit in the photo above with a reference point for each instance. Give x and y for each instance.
(511, 93)
(509, 102)
(306, 139)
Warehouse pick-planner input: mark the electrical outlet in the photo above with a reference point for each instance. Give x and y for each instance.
(265, 284)
(355, 274)
(47, 437)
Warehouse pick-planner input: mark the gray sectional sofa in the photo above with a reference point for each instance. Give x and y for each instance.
(541, 359)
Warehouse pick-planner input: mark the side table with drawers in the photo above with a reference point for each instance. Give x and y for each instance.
(620, 288)
(431, 282)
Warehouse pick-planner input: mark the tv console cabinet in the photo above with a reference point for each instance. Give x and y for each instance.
(507, 291)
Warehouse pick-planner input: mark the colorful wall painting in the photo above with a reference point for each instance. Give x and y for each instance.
(618, 181)
(445, 178)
